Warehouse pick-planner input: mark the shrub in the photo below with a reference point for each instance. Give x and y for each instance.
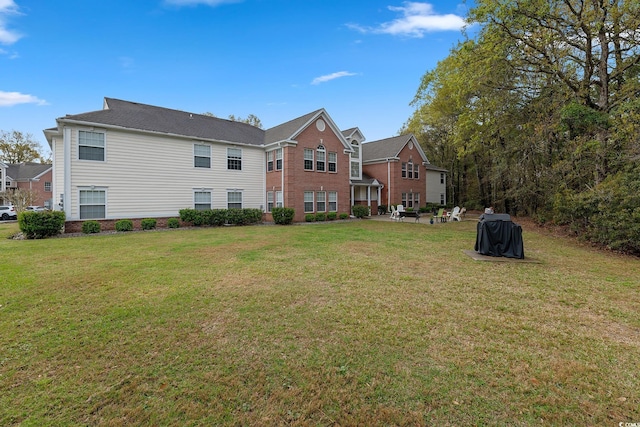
(344, 215)
(124, 225)
(173, 223)
(235, 217)
(360, 211)
(191, 216)
(90, 227)
(332, 216)
(38, 225)
(321, 216)
(148, 223)
(309, 217)
(283, 216)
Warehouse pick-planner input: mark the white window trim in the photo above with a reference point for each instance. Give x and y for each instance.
(94, 188)
(313, 159)
(203, 190)
(104, 148)
(241, 157)
(210, 155)
(232, 190)
(312, 201)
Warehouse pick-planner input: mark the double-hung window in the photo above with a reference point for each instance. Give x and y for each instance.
(415, 171)
(308, 201)
(404, 170)
(269, 161)
(47, 186)
(308, 159)
(321, 201)
(91, 145)
(279, 159)
(93, 204)
(279, 203)
(234, 159)
(333, 162)
(269, 201)
(234, 199)
(410, 170)
(201, 156)
(322, 159)
(333, 201)
(202, 200)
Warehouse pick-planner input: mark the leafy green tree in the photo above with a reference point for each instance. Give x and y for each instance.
(18, 147)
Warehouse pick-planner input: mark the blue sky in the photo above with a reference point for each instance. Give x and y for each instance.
(361, 60)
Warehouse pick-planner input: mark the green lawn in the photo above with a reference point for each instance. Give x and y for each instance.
(352, 323)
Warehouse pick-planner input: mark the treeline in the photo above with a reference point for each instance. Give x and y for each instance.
(539, 115)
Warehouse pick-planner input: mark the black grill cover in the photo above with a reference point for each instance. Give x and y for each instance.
(498, 236)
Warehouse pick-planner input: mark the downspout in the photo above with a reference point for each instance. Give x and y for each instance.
(66, 202)
(282, 174)
(388, 183)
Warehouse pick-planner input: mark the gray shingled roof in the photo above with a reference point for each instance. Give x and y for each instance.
(26, 171)
(132, 115)
(384, 148)
(287, 130)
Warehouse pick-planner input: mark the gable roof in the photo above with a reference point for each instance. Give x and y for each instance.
(136, 116)
(26, 171)
(353, 133)
(287, 131)
(290, 130)
(389, 148)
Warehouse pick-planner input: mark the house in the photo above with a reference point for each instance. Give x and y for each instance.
(132, 160)
(403, 170)
(36, 177)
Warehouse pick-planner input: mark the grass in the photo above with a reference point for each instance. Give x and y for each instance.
(357, 323)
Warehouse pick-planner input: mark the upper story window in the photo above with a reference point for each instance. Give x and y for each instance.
(91, 145)
(333, 162)
(201, 156)
(308, 159)
(415, 171)
(269, 161)
(441, 178)
(404, 170)
(279, 159)
(321, 163)
(355, 169)
(410, 170)
(356, 150)
(47, 186)
(234, 159)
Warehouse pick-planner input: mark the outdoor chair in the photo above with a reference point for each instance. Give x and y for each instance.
(455, 215)
(440, 215)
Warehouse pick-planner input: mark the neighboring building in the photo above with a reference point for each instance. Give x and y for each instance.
(400, 165)
(36, 177)
(436, 185)
(132, 160)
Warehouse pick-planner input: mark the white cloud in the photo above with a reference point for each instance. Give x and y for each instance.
(7, 36)
(9, 99)
(211, 3)
(332, 76)
(417, 19)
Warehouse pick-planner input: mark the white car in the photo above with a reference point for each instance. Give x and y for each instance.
(36, 208)
(8, 212)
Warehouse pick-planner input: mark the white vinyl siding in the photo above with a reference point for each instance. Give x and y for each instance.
(154, 176)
